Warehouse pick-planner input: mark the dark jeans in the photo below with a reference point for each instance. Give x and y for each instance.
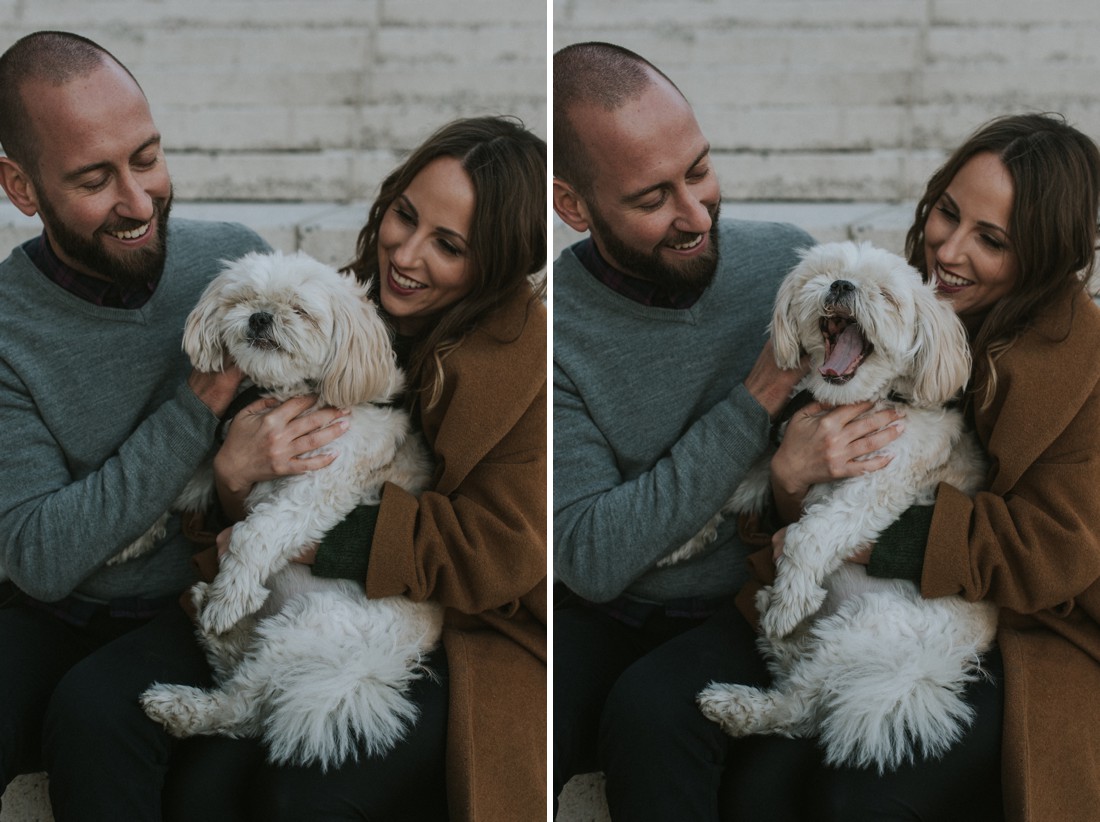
(68, 705)
(624, 703)
(214, 779)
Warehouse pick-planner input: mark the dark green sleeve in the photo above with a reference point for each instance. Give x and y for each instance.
(344, 552)
(899, 552)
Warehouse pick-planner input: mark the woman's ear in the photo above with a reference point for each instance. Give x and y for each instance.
(570, 206)
(18, 186)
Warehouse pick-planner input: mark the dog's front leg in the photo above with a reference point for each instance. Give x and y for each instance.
(259, 546)
(852, 516)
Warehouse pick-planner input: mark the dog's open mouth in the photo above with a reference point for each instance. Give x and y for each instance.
(845, 346)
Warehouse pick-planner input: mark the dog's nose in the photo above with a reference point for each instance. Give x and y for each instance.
(841, 288)
(259, 321)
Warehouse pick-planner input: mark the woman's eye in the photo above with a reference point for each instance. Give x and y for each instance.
(450, 248)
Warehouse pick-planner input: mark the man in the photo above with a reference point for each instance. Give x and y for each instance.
(662, 400)
(104, 426)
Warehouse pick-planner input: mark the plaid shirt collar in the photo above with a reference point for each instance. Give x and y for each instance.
(104, 293)
(640, 291)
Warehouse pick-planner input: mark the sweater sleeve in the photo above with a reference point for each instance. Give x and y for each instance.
(645, 517)
(899, 551)
(344, 553)
(57, 530)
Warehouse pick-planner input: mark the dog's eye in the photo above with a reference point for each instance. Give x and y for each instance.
(301, 312)
(890, 298)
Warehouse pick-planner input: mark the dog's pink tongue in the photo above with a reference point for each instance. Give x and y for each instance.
(846, 350)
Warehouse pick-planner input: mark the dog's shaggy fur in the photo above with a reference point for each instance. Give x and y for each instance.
(312, 666)
(878, 673)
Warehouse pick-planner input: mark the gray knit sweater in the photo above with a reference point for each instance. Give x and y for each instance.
(102, 431)
(653, 427)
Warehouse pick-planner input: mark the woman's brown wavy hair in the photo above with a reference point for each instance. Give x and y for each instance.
(1055, 171)
(506, 245)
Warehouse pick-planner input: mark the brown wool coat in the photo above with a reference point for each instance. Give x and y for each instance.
(476, 542)
(1031, 544)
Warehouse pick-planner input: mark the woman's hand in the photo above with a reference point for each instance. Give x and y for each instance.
(823, 444)
(269, 439)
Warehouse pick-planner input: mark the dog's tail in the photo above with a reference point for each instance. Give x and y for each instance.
(349, 694)
(900, 692)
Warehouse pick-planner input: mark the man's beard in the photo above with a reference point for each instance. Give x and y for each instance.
(691, 275)
(131, 269)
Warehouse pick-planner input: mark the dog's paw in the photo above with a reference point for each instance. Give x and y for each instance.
(228, 601)
(733, 707)
(173, 706)
(793, 598)
(785, 614)
(763, 600)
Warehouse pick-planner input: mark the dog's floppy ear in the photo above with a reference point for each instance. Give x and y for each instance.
(361, 367)
(784, 325)
(941, 353)
(201, 338)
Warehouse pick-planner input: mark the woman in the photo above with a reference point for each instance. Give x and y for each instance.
(1006, 231)
(449, 247)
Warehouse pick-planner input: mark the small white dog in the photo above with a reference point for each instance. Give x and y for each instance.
(312, 666)
(878, 673)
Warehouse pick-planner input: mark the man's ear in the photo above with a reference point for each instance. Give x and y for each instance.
(570, 206)
(18, 186)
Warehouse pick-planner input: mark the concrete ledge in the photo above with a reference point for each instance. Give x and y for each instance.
(581, 800)
(27, 800)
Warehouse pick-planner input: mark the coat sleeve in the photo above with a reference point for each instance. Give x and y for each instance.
(481, 547)
(1032, 541)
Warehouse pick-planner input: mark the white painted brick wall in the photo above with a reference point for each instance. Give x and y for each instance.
(290, 100)
(826, 100)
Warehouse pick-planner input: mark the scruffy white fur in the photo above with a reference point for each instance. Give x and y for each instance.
(311, 665)
(867, 665)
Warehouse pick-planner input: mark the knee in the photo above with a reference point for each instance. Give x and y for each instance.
(86, 713)
(646, 709)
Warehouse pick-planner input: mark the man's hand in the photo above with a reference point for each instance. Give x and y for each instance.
(216, 389)
(770, 385)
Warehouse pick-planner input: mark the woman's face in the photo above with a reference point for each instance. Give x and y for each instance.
(966, 244)
(422, 245)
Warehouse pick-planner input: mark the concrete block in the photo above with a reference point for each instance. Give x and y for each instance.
(797, 85)
(583, 800)
(259, 128)
(332, 235)
(325, 175)
(981, 12)
(439, 41)
(873, 175)
(429, 12)
(306, 45)
(105, 15)
(803, 128)
(27, 800)
(728, 49)
(250, 86)
(478, 82)
(675, 14)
